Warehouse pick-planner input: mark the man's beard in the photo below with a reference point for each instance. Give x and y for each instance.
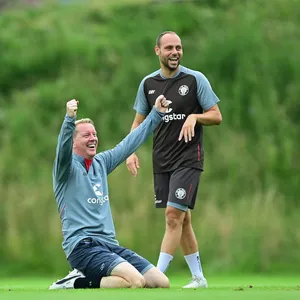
(166, 64)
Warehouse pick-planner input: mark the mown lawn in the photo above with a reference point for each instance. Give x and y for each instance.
(225, 287)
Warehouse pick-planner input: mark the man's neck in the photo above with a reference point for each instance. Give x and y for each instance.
(167, 73)
(85, 157)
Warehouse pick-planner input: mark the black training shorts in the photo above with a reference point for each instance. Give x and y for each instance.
(178, 186)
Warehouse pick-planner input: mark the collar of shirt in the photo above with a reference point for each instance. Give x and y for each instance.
(88, 163)
(175, 75)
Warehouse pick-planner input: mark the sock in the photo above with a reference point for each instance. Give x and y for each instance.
(87, 283)
(194, 263)
(163, 261)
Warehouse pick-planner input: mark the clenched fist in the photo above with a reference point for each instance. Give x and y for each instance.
(72, 107)
(161, 103)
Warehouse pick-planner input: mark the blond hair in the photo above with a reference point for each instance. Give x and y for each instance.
(82, 121)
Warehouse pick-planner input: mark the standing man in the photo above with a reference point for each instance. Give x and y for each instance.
(81, 192)
(178, 152)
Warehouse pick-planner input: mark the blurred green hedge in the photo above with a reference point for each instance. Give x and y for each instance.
(246, 214)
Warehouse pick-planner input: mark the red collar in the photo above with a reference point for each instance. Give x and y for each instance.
(88, 163)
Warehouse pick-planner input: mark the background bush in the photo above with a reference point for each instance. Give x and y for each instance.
(247, 214)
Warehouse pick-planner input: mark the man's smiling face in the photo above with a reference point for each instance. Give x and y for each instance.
(85, 140)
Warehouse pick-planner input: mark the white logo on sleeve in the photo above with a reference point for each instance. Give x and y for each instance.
(183, 90)
(180, 193)
(151, 92)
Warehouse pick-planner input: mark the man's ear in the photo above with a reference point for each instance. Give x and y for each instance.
(157, 50)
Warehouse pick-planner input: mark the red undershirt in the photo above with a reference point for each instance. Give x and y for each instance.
(88, 163)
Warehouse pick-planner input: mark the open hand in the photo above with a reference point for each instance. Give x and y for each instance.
(188, 129)
(132, 163)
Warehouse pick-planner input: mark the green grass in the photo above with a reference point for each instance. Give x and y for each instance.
(239, 287)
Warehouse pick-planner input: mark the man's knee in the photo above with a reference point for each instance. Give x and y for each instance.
(174, 217)
(163, 281)
(156, 279)
(137, 281)
(130, 274)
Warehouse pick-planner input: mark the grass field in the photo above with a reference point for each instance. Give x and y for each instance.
(239, 288)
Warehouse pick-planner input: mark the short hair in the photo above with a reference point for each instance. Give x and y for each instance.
(158, 40)
(82, 121)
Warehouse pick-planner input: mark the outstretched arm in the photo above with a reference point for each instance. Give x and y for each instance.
(132, 141)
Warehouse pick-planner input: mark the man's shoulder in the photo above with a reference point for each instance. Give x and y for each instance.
(151, 75)
(101, 157)
(199, 75)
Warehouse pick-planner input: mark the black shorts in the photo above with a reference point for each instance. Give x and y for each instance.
(179, 186)
(97, 259)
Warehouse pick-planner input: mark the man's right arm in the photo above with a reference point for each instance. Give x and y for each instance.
(63, 159)
(132, 162)
(64, 149)
(142, 109)
(137, 121)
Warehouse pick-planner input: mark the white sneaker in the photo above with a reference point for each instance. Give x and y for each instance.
(68, 281)
(196, 283)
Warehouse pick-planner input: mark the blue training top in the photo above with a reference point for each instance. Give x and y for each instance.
(82, 197)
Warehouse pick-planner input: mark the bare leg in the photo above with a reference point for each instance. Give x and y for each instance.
(124, 275)
(172, 237)
(156, 279)
(188, 240)
(189, 247)
(173, 233)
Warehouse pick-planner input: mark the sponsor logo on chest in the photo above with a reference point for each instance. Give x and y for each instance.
(172, 117)
(100, 197)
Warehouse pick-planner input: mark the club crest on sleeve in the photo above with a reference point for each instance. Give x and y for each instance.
(183, 90)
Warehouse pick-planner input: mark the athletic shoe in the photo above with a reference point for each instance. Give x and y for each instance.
(68, 281)
(196, 283)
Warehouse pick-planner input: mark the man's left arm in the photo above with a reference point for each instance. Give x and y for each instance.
(211, 113)
(135, 138)
(131, 142)
(212, 116)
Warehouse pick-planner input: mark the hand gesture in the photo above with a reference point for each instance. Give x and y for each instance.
(161, 103)
(132, 163)
(72, 107)
(188, 129)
